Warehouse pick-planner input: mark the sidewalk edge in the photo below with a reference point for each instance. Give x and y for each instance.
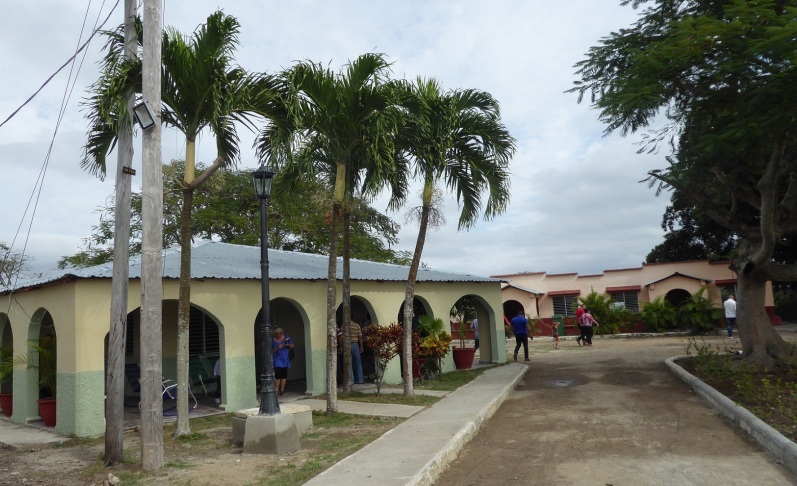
(440, 461)
(783, 449)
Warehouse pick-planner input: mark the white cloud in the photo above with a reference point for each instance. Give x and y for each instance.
(576, 201)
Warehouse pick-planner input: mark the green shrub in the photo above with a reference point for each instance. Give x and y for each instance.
(611, 318)
(659, 315)
(698, 314)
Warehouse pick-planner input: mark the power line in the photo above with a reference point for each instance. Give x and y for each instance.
(38, 186)
(71, 58)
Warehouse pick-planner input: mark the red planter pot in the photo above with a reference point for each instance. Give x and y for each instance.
(7, 403)
(47, 411)
(463, 357)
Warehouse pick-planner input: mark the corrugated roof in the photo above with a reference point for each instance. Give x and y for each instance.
(214, 260)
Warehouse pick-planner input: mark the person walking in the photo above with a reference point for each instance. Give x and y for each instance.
(730, 314)
(589, 323)
(521, 329)
(582, 334)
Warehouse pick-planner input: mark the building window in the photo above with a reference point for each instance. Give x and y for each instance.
(565, 305)
(203, 334)
(133, 322)
(628, 300)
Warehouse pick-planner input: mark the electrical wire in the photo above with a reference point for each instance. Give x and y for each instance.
(68, 90)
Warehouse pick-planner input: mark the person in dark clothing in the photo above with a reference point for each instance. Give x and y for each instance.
(521, 329)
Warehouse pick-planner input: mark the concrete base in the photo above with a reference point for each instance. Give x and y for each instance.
(302, 417)
(271, 434)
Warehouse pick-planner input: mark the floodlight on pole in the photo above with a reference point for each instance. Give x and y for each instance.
(144, 115)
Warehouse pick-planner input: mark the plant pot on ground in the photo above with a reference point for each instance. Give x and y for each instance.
(463, 357)
(6, 381)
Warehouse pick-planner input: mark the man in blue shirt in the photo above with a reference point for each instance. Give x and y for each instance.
(520, 326)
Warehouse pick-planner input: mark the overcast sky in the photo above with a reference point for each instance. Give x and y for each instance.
(576, 203)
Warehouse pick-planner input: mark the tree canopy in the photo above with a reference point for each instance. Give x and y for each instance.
(719, 77)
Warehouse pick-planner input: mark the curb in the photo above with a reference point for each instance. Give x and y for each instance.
(430, 472)
(784, 450)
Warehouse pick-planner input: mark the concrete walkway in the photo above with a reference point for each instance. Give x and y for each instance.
(428, 442)
(420, 448)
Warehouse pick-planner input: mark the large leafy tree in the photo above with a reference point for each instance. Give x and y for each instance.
(689, 235)
(223, 212)
(344, 138)
(454, 138)
(201, 89)
(721, 75)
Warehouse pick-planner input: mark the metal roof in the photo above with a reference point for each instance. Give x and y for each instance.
(214, 260)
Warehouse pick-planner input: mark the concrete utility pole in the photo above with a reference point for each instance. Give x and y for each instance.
(115, 387)
(151, 250)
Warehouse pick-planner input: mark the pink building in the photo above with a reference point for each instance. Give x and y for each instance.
(544, 295)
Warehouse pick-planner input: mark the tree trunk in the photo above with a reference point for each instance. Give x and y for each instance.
(409, 297)
(151, 355)
(762, 346)
(346, 305)
(184, 314)
(332, 336)
(115, 384)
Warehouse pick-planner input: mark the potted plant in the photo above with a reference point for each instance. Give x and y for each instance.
(463, 357)
(433, 346)
(45, 363)
(6, 381)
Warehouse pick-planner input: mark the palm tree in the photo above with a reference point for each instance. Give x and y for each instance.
(201, 89)
(457, 137)
(344, 138)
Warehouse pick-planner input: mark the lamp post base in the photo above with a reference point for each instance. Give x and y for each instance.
(271, 434)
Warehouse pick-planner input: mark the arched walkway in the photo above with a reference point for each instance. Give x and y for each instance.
(287, 314)
(677, 297)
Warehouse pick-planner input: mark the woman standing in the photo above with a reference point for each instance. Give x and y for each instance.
(280, 350)
(588, 322)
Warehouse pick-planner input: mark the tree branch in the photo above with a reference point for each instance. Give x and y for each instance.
(205, 175)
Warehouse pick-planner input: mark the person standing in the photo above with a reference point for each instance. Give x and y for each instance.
(581, 332)
(474, 326)
(589, 323)
(217, 379)
(730, 314)
(521, 329)
(356, 336)
(280, 350)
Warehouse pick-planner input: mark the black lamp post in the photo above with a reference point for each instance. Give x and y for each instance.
(269, 405)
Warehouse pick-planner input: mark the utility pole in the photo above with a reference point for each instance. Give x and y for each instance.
(152, 245)
(115, 388)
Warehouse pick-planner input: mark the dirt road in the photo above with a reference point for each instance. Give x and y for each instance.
(610, 415)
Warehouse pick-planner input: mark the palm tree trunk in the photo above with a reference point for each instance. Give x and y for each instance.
(184, 314)
(346, 310)
(409, 296)
(332, 336)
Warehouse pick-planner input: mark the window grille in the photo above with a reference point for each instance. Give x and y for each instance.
(629, 299)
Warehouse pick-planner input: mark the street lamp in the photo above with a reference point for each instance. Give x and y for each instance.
(269, 405)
